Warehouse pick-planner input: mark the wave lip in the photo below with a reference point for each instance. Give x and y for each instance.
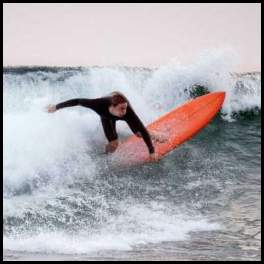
(163, 88)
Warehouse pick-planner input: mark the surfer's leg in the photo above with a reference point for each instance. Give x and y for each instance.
(109, 127)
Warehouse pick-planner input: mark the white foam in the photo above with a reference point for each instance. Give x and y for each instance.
(170, 85)
(36, 141)
(138, 225)
(61, 145)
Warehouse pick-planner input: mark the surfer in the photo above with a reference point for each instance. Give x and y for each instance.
(112, 108)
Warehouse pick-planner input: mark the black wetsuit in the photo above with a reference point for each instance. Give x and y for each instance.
(100, 106)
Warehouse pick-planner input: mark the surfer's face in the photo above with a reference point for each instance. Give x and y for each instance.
(119, 110)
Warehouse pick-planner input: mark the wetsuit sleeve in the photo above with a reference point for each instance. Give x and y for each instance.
(90, 103)
(109, 127)
(136, 125)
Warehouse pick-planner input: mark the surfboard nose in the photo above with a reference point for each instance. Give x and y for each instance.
(220, 95)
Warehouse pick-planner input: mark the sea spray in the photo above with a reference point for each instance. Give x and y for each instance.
(59, 187)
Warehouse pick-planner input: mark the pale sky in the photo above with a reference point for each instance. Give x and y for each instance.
(129, 34)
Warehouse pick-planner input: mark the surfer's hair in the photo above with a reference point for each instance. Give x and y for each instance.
(117, 98)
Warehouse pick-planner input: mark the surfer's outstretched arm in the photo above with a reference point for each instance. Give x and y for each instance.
(94, 104)
(90, 103)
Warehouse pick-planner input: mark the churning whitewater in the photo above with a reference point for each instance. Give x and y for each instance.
(62, 196)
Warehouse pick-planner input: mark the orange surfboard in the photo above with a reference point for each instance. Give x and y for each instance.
(176, 127)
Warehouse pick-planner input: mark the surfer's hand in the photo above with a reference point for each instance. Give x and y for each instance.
(154, 157)
(51, 108)
(111, 146)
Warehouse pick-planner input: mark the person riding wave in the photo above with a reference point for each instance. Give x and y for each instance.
(112, 108)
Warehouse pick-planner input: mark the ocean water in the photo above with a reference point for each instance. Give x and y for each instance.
(63, 201)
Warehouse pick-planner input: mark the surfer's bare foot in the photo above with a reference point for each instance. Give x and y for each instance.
(157, 136)
(111, 146)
